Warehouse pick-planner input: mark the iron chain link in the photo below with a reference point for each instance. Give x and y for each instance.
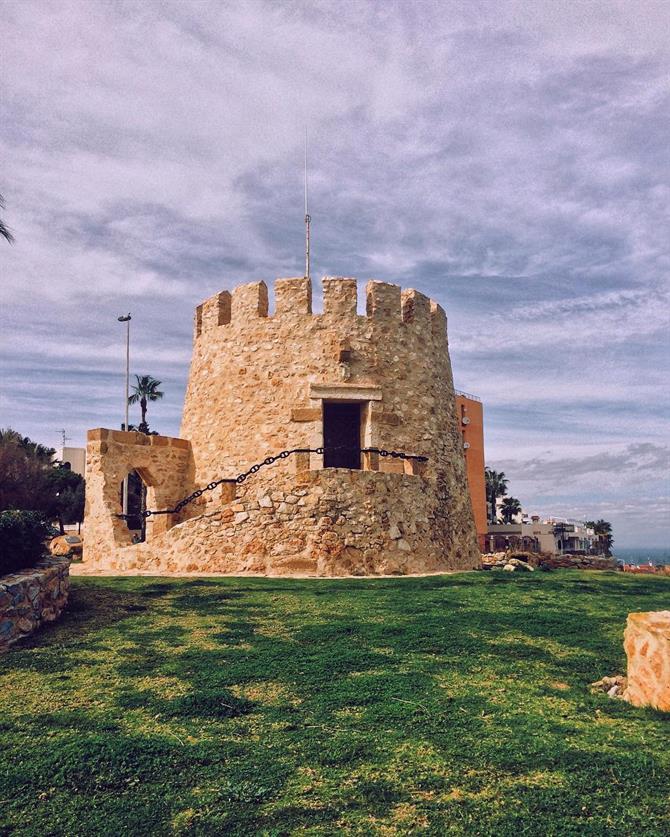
(270, 460)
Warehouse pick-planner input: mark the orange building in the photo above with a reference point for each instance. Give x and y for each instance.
(471, 420)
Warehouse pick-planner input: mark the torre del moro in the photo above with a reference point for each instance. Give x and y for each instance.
(375, 482)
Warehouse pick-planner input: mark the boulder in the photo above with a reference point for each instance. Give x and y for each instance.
(614, 686)
(521, 565)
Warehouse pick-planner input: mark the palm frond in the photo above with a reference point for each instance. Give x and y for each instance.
(4, 229)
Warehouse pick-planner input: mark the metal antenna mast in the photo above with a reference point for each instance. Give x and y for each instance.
(64, 438)
(307, 218)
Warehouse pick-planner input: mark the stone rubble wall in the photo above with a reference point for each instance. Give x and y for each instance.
(31, 598)
(647, 646)
(257, 384)
(579, 562)
(497, 560)
(257, 380)
(163, 462)
(322, 523)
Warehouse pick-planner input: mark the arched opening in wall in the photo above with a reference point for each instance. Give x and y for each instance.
(137, 503)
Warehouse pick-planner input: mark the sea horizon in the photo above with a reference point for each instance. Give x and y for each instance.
(643, 554)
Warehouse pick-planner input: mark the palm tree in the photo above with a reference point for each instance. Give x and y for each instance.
(33, 449)
(510, 507)
(603, 530)
(145, 390)
(496, 486)
(4, 231)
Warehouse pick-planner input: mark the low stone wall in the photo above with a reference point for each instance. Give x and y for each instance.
(493, 560)
(578, 562)
(32, 597)
(326, 522)
(647, 646)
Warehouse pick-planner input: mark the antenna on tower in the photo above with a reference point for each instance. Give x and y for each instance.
(64, 438)
(307, 218)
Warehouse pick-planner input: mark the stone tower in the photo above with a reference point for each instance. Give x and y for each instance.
(261, 383)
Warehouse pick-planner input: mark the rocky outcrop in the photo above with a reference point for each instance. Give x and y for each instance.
(30, 598)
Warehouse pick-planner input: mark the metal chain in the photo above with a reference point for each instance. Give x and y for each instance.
(240, 478)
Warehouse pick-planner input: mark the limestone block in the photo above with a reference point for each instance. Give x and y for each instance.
(415, 307)
(647, 646)
(340, 297)
(293, 296)
(249, 301)
(383, 301)
(306, 414)
(215, 311)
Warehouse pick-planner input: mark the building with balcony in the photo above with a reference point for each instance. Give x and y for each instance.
(556, 536)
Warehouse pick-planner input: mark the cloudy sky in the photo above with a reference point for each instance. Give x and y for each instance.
(508, 158)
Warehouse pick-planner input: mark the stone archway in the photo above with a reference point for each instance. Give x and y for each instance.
(137, 504)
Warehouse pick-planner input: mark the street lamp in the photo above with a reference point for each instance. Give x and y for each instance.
(126, 320)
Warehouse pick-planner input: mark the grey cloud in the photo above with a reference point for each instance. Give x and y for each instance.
(637, 458)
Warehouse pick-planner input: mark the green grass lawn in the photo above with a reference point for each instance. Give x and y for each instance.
(444, 705)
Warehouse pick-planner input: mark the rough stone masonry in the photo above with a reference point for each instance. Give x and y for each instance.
(264, 382)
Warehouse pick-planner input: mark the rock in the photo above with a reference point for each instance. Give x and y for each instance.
(521, 565)
(240, 517)
(265, 502)
(395, 533)
(509, 568)
(614, 686)
(25, 626)
(402, 544)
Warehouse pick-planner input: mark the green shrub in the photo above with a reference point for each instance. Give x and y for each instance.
(22, 539)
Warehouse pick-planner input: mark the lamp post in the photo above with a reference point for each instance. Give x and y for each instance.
(126, 320)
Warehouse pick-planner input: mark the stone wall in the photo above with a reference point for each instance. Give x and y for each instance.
(545, 560)
(257, 385)
(164, 464)
(258, 380)
(32, 597)
(647, 646)
(324, 523)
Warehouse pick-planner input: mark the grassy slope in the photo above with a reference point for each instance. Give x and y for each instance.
(438, 705)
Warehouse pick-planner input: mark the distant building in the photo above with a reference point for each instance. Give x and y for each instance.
(471, 422)
(552, 535)
(75, 457)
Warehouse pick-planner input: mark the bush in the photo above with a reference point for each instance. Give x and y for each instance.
(22, 540)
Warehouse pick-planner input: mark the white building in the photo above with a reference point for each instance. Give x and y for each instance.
(554, 535)
(75, 457)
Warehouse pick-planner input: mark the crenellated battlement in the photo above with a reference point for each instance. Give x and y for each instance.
(384, 303)
(366, 374)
